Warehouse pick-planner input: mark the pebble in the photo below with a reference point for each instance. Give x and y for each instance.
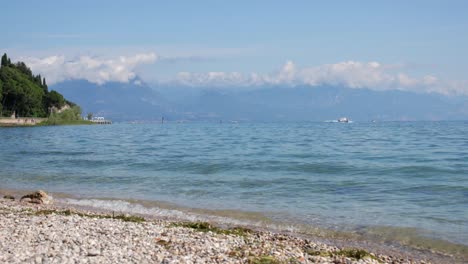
(26, 237)
(93, 253)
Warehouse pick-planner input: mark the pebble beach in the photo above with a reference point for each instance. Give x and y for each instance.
(34, 232)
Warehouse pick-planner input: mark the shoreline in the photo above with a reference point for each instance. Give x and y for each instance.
(328, 248)
(39, 122)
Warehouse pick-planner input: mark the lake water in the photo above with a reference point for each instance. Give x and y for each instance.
(355, 176)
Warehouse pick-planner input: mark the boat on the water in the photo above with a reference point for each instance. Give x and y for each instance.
(343, 120)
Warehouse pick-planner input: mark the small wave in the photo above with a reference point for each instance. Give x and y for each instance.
(155, 211)
(411, 237)
(53, 153)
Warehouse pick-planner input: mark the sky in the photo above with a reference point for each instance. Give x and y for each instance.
(408, 45)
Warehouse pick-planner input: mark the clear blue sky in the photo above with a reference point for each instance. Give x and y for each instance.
(247, 36)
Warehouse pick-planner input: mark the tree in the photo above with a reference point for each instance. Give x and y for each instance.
(55, 99)
(66, 116)
(24, 93)
(1, 95)
(20, 94)
(38, 79)
(90, 116)
(24, 69)
(44, 86)
(4, 60)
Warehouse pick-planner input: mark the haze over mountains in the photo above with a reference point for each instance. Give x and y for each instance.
(138, 101)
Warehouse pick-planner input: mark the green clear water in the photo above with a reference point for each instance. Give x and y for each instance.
(345, 177)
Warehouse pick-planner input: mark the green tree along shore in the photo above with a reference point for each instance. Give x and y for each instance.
(24, 94)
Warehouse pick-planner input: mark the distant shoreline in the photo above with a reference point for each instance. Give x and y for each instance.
(22, 121)
(35, 121)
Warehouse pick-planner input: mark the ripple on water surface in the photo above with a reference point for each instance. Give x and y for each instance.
(396, 174)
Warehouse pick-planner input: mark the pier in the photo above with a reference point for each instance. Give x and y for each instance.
(101, 121)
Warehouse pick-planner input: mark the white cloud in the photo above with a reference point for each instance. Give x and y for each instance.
(350, 73)
(213, 78)
(98, 70)
(353, 74)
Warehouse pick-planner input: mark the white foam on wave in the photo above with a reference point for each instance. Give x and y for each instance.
(122, 206)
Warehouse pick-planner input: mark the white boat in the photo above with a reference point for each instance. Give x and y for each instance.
(343, 120)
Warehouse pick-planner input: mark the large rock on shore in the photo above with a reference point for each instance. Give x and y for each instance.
(39, 197)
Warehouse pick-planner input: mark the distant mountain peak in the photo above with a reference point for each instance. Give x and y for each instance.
(137, 100)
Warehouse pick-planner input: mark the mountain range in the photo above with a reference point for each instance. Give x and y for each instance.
(138, 101)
